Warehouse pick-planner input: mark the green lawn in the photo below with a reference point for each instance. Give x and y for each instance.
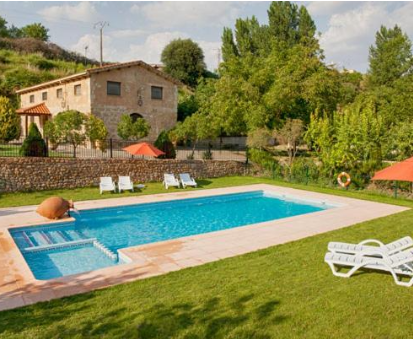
(280, 292)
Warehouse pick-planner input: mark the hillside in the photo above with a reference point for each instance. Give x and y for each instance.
(25, 62)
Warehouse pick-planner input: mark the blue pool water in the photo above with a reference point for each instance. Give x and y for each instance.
(92, 241)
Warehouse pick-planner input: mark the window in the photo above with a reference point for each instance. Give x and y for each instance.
(78, 90)
(44, 96)
(31, 98)
(59, 93)
(113, 88)
(156, 92)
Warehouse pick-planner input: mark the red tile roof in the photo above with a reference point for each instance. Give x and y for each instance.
(35, 110)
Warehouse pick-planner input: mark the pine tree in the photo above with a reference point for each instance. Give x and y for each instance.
(283, 19)
(390, 58)
(34, 145)
(229, 49)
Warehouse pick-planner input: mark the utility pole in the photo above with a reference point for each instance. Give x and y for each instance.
(101, 25)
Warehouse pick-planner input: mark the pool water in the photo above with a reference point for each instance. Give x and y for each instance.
(92, 241)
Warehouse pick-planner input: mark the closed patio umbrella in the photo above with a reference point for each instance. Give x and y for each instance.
(144, 149)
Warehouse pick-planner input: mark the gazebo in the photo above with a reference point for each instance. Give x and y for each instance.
(402, 171)
(39, 110)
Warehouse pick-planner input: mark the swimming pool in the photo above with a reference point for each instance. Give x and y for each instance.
(93, 240)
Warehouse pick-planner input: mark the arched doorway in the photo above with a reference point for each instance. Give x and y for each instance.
(135, 116)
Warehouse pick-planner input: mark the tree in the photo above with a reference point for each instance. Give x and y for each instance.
(184, 60)
(283, 19)
(36, 31)
(195, 128)
(259, 138)
(68, 126)
(290, 135)
(128, 128)
(350, 140)
(10, 124)
(390, 58)
(34, 145)
(229, 49)
(96, 129)
(4, 32)
(15, 32)
(163, 143)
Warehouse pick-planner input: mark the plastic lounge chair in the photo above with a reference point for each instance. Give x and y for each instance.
(106, 184)
(379, 249)
(187, 180)
(398, 265)
(125, 183)
(170, 181)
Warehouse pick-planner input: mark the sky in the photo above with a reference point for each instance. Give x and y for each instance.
(140, 30)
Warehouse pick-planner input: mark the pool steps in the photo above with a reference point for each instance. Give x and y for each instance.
(105, 250)
(42, 240)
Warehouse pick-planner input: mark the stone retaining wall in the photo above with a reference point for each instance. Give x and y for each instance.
(27, 173)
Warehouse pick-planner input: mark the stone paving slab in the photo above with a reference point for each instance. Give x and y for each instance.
(18, 287)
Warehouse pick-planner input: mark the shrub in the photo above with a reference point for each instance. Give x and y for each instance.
(34, 145)
(9, 121)
(262, 158)
(164, 144)
(127, 128)
(96, 129)
(207, 155)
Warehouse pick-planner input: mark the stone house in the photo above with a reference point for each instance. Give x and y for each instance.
(133, 88)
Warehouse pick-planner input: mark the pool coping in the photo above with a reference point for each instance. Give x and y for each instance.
(18, 287)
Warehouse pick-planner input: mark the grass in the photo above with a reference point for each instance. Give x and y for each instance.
(280, 292)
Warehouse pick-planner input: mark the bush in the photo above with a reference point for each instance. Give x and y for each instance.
(34, 145)
(9, 121)
(262, 158)
(130, 129)
(207, 155)
(164, 144)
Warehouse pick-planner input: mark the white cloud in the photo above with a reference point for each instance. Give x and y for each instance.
(181, 13)
(352, 28)
(120, 34)
(92, 42)
(83, 11)
(326, 7)
(350, 33)
(149, 50)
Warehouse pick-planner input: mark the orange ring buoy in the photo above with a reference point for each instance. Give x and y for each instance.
(348, 179)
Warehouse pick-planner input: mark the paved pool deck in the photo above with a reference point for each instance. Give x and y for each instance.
(18, 287)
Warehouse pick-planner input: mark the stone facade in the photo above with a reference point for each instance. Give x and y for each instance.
(136, 80)
(26, 174)
(136, 83)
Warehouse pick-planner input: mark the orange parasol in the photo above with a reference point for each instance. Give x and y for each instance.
(402, 171)
(144, 149)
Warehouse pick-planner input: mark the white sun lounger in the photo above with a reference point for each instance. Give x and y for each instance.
(400, 264)
(125, 183)
(170, 181)
(187, 180)
(106, 184)
(379, 248)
